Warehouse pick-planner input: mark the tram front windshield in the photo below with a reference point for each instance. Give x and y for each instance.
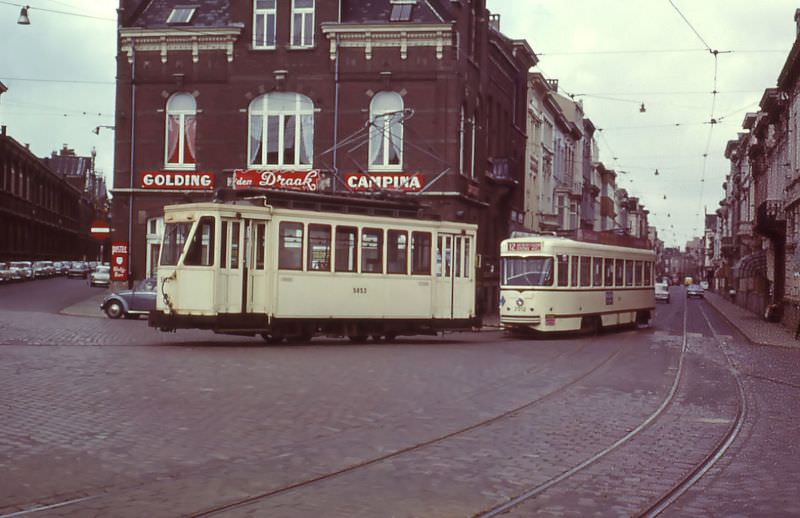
(175, 235)
(527, 271)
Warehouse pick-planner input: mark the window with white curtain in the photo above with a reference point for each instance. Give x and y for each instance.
(281, 130)
(302, 23)
(181, 131)
(386, 132)
(264, 16)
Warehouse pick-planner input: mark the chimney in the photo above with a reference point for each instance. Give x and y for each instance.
(3, 130)
(797, 20)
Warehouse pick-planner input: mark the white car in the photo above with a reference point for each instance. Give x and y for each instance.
(100, 277)
(662, 291)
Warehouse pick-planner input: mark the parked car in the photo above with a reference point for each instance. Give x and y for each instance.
(25, 269)
(131, 303)
(78, 269)
(101, 276)
(92, 265)
(695, 290)
(7, 274)
(42, 269)
(662, 291)
(61, 267)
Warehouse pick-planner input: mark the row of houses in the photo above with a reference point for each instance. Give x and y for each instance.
(354, 98)
(751, 242)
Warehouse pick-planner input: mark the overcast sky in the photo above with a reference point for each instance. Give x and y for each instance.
(614, 55)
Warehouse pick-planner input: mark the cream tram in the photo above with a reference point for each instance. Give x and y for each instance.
(249, 268)
(551, 283)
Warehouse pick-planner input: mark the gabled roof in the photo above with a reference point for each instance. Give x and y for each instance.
(208, 13)
(378, 11)
(68, 165)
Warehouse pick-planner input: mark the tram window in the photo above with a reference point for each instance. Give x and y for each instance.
(260, 238)
(586, 271)
(444, 257)
(563, 269)
(397, 251)
(466, 258)
(648, 270)
(619, 277)
(527, 271)
(201, 248)
(235, 245)
(609, 277)
(223, 245)
(458, 242)
(628, 272)
(638, 271)
(574, 270)
(420, 253)
(346, 249)
(290, 246)
(597, 271)
(319, 248)
(371, 250)
(175, 235)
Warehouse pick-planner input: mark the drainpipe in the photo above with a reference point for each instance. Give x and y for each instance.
(336, 117)
(132, 163)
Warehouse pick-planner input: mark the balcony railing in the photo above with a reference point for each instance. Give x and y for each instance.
(770, 219)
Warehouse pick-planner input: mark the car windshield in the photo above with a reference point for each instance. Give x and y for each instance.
(20, 264)
(527, 271)
(102, 269)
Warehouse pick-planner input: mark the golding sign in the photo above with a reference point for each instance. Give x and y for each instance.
(176, 181)
(119, 261)
(268, 179)
(405, 182)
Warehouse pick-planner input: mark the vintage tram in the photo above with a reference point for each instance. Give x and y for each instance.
(246, 267)
(551, 283)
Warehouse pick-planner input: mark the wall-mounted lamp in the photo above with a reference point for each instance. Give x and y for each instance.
(96, 130)
(23, 16)
(642, 109)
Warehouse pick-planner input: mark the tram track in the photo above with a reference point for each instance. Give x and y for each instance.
(260, 497)
(694, 475)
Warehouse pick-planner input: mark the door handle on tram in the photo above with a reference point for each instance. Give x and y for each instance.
(166, 298)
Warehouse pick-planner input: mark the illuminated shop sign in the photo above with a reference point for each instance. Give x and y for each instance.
(406, 182)
(524, 247)
(178, 181)
(267, 179)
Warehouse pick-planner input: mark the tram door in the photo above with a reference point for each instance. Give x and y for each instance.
(241, 284)
(454, 294)
(229, 281)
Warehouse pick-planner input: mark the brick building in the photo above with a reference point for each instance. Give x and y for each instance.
(338, 90)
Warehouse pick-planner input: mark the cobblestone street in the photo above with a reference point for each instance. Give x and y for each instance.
(107, 417)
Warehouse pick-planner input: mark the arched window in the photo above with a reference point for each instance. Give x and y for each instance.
(181, 131)
(386, 132)
(281, 130)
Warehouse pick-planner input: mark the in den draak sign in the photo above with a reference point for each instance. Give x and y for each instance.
(267, 179)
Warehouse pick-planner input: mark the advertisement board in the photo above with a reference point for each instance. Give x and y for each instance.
(404, 182)
(119, 261)
(176, 180)
(269, 179)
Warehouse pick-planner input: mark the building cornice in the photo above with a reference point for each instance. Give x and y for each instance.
(403, 36)
(168, 40)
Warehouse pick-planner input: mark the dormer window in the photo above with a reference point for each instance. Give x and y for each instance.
(180, 15)
(401, 10)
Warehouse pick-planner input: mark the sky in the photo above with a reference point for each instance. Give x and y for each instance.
(613, 55)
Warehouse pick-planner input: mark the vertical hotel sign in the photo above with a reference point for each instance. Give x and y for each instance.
(119, 261)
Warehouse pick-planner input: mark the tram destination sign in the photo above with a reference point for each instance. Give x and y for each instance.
(525, 247)
(176, 180)
(284, 180)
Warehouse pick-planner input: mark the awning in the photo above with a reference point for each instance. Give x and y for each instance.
(753, 265)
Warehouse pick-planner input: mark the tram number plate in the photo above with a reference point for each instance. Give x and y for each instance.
(360, 291)
(609, 298)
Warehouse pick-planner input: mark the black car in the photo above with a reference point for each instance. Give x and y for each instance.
(78, 269)
(131, 303)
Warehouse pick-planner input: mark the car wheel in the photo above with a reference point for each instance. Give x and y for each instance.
(114, 309)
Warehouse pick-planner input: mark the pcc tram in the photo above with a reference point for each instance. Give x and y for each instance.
(551, 283)
(244, 268)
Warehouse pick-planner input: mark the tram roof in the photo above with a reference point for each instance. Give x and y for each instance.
(549, 242)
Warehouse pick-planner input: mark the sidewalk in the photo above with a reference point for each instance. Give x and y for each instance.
(88, 307)
(752, 326)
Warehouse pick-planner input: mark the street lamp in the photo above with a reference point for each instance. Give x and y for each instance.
(96, 130)
(23, 16)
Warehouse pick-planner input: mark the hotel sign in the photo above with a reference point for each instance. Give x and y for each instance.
(176, 181)
(405, 182)
(268, 179)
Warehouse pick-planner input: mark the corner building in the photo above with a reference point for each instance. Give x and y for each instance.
(391, 89)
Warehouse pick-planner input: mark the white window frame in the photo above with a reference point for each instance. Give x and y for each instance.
(303, 106)
(389, 128)
(268, 13)
(181, 114)
(306, 40)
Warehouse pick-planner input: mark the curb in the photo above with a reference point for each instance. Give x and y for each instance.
(746, 333)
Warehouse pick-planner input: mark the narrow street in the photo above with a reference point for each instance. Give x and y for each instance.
(108, 417)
